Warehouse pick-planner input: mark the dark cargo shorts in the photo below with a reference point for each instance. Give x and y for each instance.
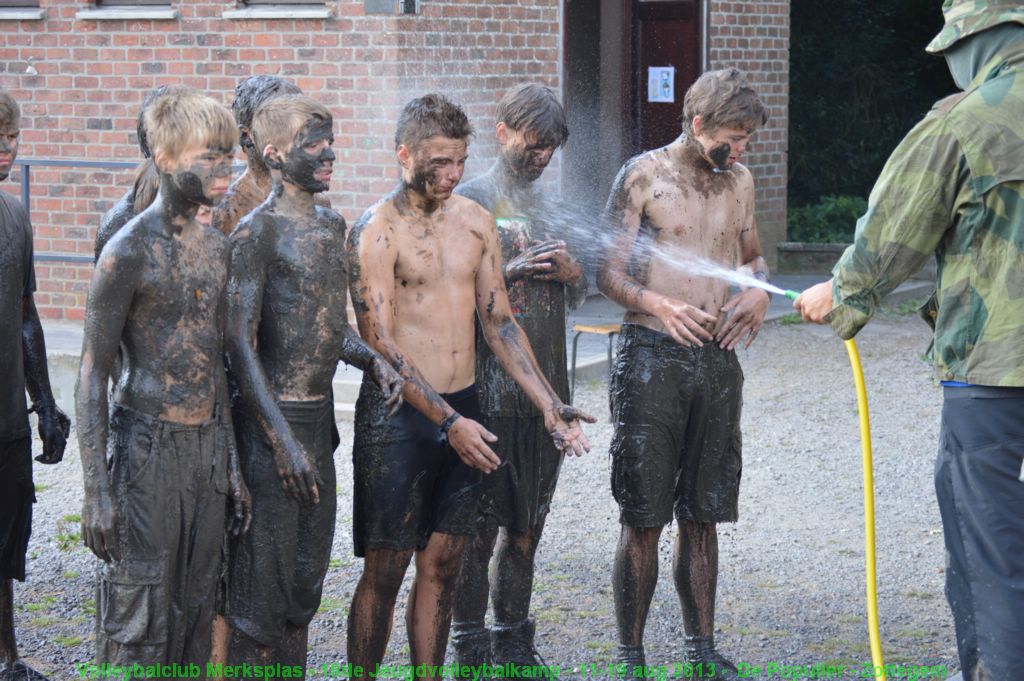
(518, 494)
(276, 569)
(17, 495)
(677, 445)
(169, 484)
(409, 482)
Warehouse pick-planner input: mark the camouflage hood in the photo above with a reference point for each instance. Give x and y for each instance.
(967, 17)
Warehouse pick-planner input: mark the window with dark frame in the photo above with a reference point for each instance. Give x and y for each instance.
(132, 3)
(391, 6)
(20, 4)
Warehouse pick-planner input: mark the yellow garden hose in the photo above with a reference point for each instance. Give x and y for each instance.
(870, 575)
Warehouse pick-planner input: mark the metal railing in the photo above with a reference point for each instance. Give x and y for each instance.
(26, 194)
(26, 166)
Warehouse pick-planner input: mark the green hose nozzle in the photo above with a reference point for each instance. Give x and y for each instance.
(792, 295)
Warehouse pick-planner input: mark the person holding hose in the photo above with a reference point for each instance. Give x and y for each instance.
(954, 187)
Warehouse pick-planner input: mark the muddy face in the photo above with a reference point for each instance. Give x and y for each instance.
(719, 156)
(202, 175)
(310, 160)
(8, 148)
(436, 168)
(525, 156)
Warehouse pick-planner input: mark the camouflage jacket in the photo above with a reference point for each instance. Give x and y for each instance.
(954, 187)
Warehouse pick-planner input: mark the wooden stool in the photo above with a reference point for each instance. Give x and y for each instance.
(609, 330)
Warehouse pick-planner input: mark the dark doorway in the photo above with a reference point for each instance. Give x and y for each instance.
(610, 47)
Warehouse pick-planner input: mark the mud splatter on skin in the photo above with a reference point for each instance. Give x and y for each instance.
(702, 172)
(303, 161)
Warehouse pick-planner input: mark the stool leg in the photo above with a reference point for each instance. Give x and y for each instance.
(572, 372)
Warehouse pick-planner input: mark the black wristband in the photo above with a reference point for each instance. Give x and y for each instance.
(446, 425)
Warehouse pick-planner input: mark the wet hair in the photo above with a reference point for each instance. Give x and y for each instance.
(186, 118)
(10, 113)
(254, 91)
(145, 185)
(278, 121)
(430, 115)
(723, 99)
(533, 108)
(140, 124)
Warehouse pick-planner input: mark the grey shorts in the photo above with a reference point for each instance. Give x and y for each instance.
(169, 483)
(677, 445)
(518, 494)
(276, 569)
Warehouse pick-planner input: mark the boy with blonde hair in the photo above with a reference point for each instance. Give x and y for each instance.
(157, 467)
(287, 330)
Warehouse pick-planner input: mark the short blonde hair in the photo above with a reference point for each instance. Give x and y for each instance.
(723, 99)
(279, 120)
(184, 118)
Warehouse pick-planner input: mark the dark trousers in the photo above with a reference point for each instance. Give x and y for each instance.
(981, 499)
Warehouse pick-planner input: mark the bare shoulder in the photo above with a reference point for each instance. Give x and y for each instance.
(252, 227)
(468, 209)
(376, 224)
(744, 178)
(128, 247)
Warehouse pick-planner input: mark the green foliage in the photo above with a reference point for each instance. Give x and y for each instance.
(830, 221)
(859, 80)
(791, 318)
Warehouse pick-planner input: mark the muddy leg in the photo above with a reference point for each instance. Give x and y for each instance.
(695, 568)
(373, 606)
(429, 614)
(634, 576)
(512, 581)
(292, 652)
(243, 649)
(8, 643)
(470, 639)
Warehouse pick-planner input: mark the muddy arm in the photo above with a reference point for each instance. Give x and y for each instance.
(747, 308)
(371, 267)
(512, 349)
(110, 295)
(54, 425)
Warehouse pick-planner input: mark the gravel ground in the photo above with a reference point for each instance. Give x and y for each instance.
(791, 586)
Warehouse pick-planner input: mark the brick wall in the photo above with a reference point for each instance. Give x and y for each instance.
(93, 74)
(754, 36)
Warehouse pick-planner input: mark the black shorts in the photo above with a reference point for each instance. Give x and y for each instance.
(409, 482)
(677, 445)
(518, 494)
(17, 494)
(276, 569)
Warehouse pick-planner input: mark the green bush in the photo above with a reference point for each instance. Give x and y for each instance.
(830, 221)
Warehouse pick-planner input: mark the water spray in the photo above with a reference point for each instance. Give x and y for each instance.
(870, 574)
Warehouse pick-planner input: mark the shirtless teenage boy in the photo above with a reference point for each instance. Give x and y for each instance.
(544, 281)
(676, 386)
(254, 184)
(423, 265)
(287, 330)
(155, 514)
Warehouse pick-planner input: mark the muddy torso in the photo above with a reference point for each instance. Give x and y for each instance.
(173, 332)
(686, 208)
(16, 281)
(302, 317)
(539, 306)
(434, 302)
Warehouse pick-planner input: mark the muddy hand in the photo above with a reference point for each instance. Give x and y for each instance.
(815, 303)
(470, 441)
(99, 527)
(685, 323)
(533, 261)
(54, 428)
(241, 503)
(748, 310)
(564, 268)
(566, 431)
(390, 383)
(298, 475)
